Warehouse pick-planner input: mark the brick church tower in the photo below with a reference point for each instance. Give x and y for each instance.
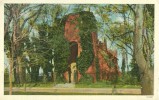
(107, 59)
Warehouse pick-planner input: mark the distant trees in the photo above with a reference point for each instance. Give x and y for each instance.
(54, 48)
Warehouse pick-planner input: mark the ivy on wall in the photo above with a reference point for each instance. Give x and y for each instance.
(87, 25)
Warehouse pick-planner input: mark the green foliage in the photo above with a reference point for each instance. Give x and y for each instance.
(108, 84)
(123, 66)
(61, 48)
(6, 75)
(135, 72)
(28, 78)
(85, 80)
(87, 26)
(6, 71)
(108, 58)
(52, 45)
(128, 79)
(44, 78)
(131, 77)
(97, 69)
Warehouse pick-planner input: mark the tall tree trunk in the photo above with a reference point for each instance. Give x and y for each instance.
(17, 32)
(21, 71)
(145, 71)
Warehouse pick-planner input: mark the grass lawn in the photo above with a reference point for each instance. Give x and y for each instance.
(103, 84)
(100, 84)
(40, 84)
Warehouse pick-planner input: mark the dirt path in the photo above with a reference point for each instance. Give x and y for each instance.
(80, 90)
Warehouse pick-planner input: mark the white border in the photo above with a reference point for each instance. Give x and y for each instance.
(77, 97)
(82, 1)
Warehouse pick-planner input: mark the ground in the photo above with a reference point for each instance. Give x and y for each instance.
(63, 89)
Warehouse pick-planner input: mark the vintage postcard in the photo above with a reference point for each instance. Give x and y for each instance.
(77, 49)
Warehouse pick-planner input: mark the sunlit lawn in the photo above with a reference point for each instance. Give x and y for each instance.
(100, 84)
(104, 84)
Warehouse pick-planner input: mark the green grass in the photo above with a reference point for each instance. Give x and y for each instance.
(103, 84)
(128, 86)
(99, 84)
(93, 85)
(40, 84)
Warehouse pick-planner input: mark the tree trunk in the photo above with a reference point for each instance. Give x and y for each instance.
(16, 35)
(145, 71)
(21, 71)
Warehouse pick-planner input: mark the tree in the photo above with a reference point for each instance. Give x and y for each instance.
(134, 32)
(60, 47)
(146, 71)
(15, 31)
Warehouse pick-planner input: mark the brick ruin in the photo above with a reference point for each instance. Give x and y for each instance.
(108, 66)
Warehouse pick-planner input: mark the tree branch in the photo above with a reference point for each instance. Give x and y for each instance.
(131, 9)
(124, 48)
(30, 18)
